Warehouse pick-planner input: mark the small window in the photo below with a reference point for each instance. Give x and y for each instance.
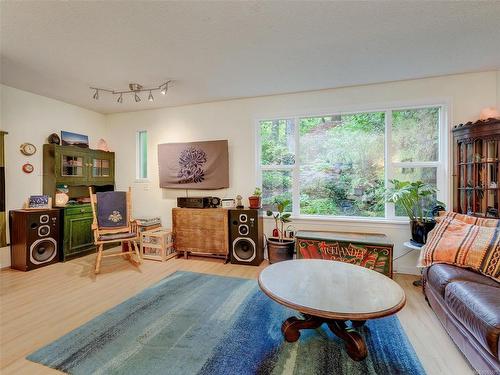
(142, 155)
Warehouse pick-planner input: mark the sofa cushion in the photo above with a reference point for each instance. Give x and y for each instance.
(465, 245)
(440, 275)
(477, 306)
(479, 221)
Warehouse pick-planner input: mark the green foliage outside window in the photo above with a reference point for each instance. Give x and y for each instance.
(342, 159)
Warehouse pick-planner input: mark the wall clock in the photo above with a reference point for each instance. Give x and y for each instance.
(28, 149)
(28, 168)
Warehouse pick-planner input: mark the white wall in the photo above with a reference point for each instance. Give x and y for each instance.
(235, 120)
(31, 118)
(498, 90)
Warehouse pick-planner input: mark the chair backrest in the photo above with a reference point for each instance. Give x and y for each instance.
(111, 210)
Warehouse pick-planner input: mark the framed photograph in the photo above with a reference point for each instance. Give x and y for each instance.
(36, 202)
(74, 139)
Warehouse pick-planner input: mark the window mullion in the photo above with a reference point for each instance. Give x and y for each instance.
(296, 171)
(388, 167)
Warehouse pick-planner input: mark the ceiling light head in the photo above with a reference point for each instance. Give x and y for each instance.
(120, 99)
(134, 87)
(96, 95)
(150, 97)
(164, 89)
(137, 97)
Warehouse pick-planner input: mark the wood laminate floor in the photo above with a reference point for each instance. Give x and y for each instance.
(38, 307)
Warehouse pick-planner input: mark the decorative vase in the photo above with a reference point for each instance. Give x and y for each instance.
(420, 230)
(254, 201)
(279, 251)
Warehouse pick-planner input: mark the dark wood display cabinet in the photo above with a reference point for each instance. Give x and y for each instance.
(77, 168)
(477, 167)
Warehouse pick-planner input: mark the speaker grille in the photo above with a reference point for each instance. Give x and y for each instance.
(244, 249)
(43, 250)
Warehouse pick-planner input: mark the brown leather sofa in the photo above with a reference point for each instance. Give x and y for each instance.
(468, 305)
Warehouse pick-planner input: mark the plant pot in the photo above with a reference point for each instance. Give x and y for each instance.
(279, 251)
(419, 230)
(254, 201)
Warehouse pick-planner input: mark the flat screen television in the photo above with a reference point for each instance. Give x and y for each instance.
(194, 165)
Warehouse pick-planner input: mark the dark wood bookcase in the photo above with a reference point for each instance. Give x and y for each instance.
(477, 168)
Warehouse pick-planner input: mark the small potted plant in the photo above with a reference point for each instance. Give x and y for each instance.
(417, 200)
(280, 248)
(255, 200)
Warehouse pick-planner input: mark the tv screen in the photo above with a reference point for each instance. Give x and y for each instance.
(194, 165)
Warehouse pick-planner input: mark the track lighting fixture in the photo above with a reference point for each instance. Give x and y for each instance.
(135, 89)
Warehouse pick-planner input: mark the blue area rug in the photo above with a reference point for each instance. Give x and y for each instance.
(191, 323)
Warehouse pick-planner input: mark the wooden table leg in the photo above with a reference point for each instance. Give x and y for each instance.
(292, 326)
(358, 323)
(354, 343)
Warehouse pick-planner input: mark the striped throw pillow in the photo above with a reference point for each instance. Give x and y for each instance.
(463, 244)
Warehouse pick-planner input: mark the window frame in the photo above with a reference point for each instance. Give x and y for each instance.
(441, 164)
(138, 157)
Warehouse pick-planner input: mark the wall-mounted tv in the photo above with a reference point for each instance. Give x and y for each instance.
(194, 165)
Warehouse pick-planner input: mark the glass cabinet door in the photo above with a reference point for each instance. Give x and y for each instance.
(72, 165)
(101, 168)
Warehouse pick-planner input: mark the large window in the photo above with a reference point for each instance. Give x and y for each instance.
(340, 164)
(142, 155)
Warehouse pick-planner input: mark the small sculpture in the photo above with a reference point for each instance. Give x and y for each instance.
(239, 205)
(102, 145)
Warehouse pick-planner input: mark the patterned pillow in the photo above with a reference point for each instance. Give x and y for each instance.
(462, 244)
(482, 222)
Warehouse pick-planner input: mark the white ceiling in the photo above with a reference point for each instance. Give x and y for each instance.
(223, 50)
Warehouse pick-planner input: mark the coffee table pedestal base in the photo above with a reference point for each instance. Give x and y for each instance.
(354, 343)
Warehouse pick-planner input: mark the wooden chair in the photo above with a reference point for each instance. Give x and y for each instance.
(112, 225)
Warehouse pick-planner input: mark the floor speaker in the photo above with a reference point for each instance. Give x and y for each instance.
(246, 237)
(34, 238)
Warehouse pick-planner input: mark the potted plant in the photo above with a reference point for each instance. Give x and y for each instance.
(280, 248)
(255, 200)
(417, 200)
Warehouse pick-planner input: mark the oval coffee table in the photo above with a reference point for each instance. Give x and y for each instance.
(331, 292)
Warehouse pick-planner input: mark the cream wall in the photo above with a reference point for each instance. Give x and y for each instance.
(498, 90)
(235, 120)
(31, 118)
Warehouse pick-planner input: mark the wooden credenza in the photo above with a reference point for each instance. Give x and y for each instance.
(202, 231)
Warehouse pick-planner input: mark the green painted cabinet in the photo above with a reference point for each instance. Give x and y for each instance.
(78, 237)
(75, 166)
(78, 168)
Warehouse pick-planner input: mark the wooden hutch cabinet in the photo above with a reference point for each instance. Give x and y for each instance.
(477, 167)
(78, 168)
(74, 166)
